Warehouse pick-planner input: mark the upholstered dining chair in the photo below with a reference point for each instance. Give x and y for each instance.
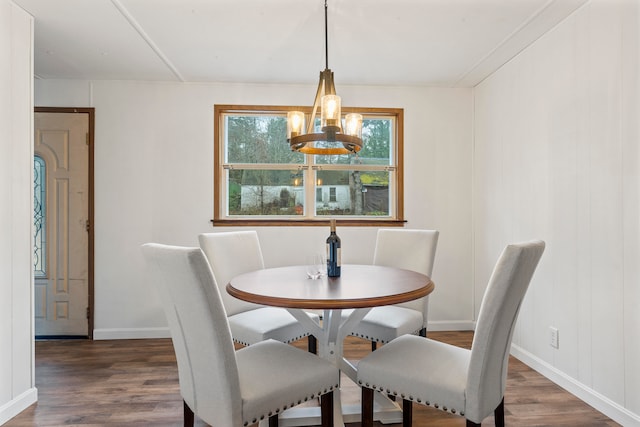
(221, 386)
(470, 383)
(236, 252)
(410, 250)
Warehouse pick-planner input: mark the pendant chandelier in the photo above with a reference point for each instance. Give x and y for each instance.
(332, 139)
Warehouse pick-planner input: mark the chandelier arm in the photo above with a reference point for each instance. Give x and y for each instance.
(329, 86)
(316, 103)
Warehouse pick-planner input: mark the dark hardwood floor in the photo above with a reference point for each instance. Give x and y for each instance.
(135, 383)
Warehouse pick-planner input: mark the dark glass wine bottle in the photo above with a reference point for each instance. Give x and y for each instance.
(333, 252)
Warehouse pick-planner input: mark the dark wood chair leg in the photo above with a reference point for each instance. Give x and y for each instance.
(498, 414)
(472, 424)
(374, 345)
(273, 420)
(189, 418)
(423, 332)
(367, 407)
(407, 413)
(312, 344)
(326, 409)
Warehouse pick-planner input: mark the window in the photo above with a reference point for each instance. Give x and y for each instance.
(259, 180)
(39, 217)
(332, 194)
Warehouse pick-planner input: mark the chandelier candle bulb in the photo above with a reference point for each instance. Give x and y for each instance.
(353, 125)
(295, 123)
(330, 113)
(333, 252)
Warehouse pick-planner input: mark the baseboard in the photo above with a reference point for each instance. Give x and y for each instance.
(130, 333)
(591, 397)
(141, 333)
(457, 325)
(17, 405)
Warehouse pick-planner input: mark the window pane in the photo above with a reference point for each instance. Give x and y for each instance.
(39, 217)
(258, 139)
(356, 193)
(377, 137)
(265, 192)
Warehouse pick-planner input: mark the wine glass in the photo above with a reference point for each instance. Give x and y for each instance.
(315, 266)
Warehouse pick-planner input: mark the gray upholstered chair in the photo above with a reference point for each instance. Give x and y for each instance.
(236, 252)
(411, 250)
(470, 383)
(221, 386)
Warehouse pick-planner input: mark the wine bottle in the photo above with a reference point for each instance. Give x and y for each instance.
(333, 252)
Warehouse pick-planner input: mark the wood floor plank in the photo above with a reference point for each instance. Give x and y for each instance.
(135, 383)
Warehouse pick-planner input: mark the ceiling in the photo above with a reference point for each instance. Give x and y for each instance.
(450, 43)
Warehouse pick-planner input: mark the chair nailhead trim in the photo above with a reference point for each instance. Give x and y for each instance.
(246, 344)
(412, 398)
(285, 407)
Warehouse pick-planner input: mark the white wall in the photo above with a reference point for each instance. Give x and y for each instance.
(556, 157)
(154, 182)
(16, 197)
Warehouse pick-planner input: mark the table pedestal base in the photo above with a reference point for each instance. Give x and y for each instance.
(387, 413)
(330, 335)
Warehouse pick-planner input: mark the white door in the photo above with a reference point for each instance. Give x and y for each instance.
(61, 288)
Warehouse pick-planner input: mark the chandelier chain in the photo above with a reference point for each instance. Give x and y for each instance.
(326, 37)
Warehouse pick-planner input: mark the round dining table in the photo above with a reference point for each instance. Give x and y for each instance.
(359, 287)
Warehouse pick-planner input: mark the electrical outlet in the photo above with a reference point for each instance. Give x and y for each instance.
(554, 338)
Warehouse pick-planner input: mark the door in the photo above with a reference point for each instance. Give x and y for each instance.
(62, 281)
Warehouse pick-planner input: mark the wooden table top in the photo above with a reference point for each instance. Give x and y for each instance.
(358, 286)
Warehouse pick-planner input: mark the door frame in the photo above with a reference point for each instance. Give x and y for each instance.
(90, 111)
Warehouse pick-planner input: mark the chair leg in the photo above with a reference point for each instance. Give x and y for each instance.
(326, 409)
(407, 413)
(423, 332)
(189, 417)
(374, 345)
(367, 407)
(312, 344)
(273, 420)
(498, 414)
(472, 424)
